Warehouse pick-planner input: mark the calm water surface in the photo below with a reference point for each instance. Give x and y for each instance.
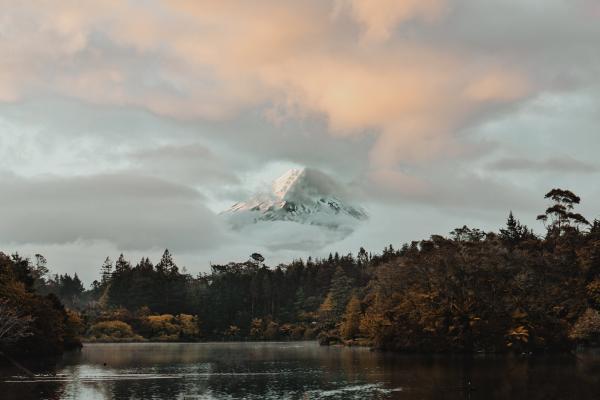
(300, 370)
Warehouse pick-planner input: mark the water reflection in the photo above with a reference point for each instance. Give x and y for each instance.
(298, 371)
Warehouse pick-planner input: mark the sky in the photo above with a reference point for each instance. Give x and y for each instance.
(127, 126)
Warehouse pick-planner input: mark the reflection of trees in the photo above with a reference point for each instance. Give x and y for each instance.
(491, 377)
(294, 370)
(31, 390)
(149, 389)
(273, 370)
(26, 391)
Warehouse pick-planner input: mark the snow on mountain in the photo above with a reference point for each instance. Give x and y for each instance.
(303, 196)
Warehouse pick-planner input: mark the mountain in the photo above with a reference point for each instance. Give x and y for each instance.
(303, 196)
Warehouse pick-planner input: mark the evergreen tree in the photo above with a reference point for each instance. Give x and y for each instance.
(141, 293)
(299, 302)
(514, 233)
(69, 290)
(166, 264)
(106, 271)
(122, 265)
(362, 256)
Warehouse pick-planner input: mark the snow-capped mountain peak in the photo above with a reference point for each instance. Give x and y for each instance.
(301, 195)
(285, 182)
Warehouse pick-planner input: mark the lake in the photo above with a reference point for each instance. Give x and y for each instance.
(298, 370)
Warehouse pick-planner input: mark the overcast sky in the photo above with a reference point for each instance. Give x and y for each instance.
(126, 126)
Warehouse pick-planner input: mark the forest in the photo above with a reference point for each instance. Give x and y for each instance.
(470, 291)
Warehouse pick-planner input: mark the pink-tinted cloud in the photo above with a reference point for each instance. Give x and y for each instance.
(215, 59)
(378, 18)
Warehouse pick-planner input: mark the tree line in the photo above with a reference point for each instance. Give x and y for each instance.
(471, 291)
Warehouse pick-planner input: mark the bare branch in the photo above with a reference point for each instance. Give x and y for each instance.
(13, 324)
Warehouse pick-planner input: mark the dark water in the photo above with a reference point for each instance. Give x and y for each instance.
(300, 370)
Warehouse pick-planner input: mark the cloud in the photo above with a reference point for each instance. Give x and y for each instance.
(436, 68)
(281, 236)
(202, 59)
(555, 164)
(461, 193)
(393, 84)
(189, 163)
(498, 86)
(131, 211)
(379, 17)
(451, 107)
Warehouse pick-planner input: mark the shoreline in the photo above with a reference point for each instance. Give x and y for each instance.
(86, 342)
(546, 352)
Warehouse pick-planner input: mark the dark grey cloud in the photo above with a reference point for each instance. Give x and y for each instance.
(251, 140)
(191, 162)
(457, 191)
(536, 31)
(132, 211)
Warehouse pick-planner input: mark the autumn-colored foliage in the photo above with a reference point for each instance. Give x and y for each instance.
(45, 326)
(471, 291)
(113, 331)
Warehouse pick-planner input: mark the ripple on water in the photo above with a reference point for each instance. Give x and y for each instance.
(137, 376)
(352, 391)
